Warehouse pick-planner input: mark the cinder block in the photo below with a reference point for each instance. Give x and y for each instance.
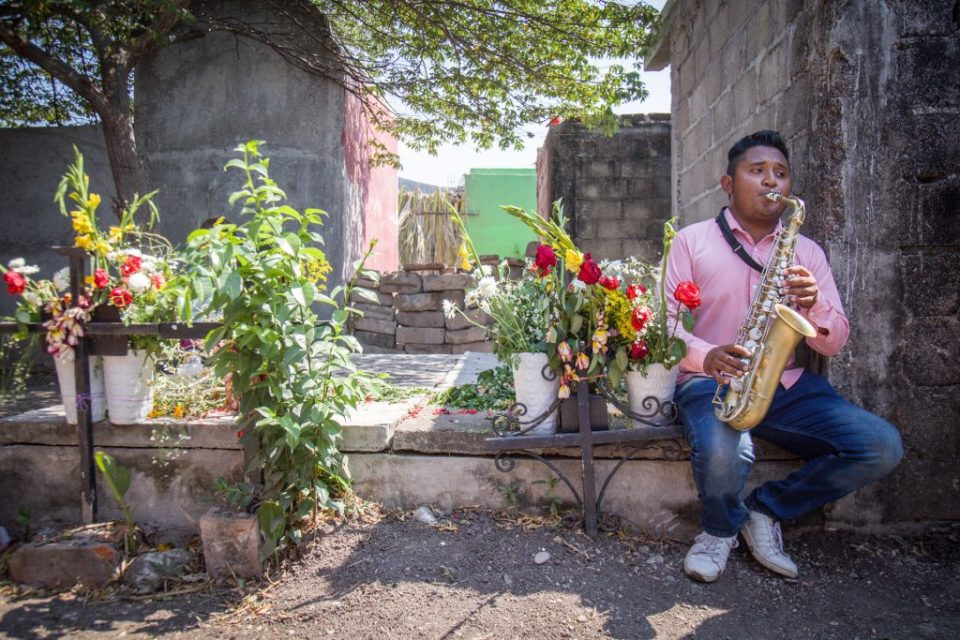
(432, 319)
(231, 544)
(417, 302)
(458, 321)
(400, 282)
(383, 340)
(419, 335)
(374, 325)
(448, 281)
(375, 311)
(465, 336)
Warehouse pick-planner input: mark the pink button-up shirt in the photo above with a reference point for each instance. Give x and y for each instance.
(700, 254)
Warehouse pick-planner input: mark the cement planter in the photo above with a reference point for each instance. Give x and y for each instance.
(128, 381)
(646, 392)
(96, 404)
(535, 392)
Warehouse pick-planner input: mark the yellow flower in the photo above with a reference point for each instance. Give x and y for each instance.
(88, 280)
(574, 259)
(102, 248)
(116, 234)
(178, 411)
(619, 310)
(93, 201)
(465, 259)
(81, 223)
(85, 242)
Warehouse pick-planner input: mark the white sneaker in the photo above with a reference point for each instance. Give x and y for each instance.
(762, 535)
(707, 558)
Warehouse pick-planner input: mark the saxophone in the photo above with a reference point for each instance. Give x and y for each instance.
(770, 332)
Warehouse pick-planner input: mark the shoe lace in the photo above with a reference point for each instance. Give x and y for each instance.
(712, 545)
(777, 537)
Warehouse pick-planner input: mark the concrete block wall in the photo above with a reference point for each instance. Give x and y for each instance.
(615, 190)
(866, 94)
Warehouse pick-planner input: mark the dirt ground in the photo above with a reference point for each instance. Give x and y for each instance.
(474, 576)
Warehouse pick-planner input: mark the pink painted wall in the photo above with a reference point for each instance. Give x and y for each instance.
(373, 190)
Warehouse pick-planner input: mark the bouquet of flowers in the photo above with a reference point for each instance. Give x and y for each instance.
(644, 326)
(575, 288)
(130, 266)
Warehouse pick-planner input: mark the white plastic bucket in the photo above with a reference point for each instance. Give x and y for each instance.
(535, 392)
(660, 383)
(68, 388)
(129, 385)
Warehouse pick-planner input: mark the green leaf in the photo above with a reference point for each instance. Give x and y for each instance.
(576, 323)
(233, 286)
(116, 475)
(621, 359)
(688, 321)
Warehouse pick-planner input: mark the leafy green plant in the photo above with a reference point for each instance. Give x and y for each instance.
(510, 494)
(265, 276)
(493, 390)
(554, 504)
(117, 478)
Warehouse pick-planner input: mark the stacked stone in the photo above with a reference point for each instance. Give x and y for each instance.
(378, 326)
(421, 324)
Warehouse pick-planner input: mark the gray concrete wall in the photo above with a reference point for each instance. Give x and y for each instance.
(198, 99)
(616, 191)
(867, 94)
(31, 165)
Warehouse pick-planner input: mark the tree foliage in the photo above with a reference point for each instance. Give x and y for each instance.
(451, 70)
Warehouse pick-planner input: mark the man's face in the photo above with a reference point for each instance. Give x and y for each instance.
(758, 172)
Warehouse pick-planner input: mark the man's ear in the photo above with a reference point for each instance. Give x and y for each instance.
(726, 183)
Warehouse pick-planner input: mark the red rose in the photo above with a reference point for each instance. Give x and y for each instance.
(158, 281)
(130, 266)
(589, 271)
(546, 259)
(241, 433)
(687, 294)
(120, 297)
(100, 278)
(641, 316)
(555, 120)
(635, 290)
(16, 283)
(639, 350)
(610, 282)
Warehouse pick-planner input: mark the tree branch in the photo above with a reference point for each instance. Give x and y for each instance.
(55, 67)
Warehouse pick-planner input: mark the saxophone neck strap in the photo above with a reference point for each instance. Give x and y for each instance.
(735, 244)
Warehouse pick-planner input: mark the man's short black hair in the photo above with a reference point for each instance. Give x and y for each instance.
(765, 138)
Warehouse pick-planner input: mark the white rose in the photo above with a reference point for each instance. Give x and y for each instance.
(138, 282)
(16, 264)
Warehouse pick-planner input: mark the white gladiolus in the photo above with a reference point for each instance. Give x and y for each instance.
(449, 309)
(29, 270)
(138, 282)
(16, 264)
(61, 279)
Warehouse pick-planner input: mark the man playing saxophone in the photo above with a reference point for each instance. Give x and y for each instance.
(843, 446)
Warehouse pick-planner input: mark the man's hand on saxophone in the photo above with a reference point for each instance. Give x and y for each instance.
(725, 362)
(800, 288)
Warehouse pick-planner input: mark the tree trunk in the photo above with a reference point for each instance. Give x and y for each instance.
(128, 178)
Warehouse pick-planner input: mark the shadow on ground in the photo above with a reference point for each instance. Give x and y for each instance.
(477, 578)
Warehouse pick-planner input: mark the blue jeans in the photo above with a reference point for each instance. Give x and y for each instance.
(844, 448)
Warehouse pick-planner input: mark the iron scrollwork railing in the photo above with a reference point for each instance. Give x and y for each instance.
(513, 437)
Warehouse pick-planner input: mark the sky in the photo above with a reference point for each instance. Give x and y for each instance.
(447, 168)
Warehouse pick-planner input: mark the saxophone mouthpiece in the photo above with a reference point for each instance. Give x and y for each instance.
(775, 196)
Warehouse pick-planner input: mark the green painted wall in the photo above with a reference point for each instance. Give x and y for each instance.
(489, 226)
